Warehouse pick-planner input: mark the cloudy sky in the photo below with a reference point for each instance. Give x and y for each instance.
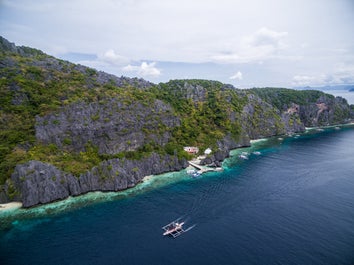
(245, 43)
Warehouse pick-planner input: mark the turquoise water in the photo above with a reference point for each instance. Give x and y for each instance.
(291, 204)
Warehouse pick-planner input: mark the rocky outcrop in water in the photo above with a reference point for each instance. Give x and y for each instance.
(36, 182)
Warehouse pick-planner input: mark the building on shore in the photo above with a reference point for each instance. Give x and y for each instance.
(207, 151)
(191, 149)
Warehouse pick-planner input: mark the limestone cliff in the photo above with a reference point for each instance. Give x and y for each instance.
(36, 182)
(113, 125)
(68, 129)
(312, 107)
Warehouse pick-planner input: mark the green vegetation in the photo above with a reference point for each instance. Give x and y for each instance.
(35, 84)
(283, 97)
(27, 90)
(75, 163)
(206, 109)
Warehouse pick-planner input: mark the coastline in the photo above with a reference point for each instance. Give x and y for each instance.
(258, 140)
(147, 178)
(249, 192)
(14, 211)
(150, 181)
(329, 126)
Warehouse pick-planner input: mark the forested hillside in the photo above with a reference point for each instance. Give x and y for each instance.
(78, 121)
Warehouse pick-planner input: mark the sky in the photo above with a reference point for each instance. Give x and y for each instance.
(248, 43)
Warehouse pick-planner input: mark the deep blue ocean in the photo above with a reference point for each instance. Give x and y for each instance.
(291, 204)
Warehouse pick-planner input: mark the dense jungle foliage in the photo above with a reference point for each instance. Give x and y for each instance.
(35, 84)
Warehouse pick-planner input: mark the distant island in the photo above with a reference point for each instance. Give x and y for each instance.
(67, 129)
(330, 88)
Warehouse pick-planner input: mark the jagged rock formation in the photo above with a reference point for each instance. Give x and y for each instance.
(312, 107)
(39, 183)
(325, 111)
(261, 119)
(113, 125)
(68, 129)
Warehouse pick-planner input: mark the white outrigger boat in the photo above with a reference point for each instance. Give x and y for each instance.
(244, 157)
(174, 229)
(193, 173)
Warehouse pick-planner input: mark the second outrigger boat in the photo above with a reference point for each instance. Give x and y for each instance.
(193, 173)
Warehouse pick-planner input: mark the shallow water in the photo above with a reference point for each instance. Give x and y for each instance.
(292, 204)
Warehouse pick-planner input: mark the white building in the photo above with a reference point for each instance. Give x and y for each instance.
(207, 151)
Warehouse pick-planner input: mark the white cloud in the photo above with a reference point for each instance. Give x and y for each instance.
(108, 61)
(343, 74)
(306, 80)
(237, 76)
(207, 33)
(33, 7)
(145, 69)
(267, 37)
(111, 57)
(262, 45)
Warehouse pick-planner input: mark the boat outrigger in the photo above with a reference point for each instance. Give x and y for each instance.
(193, 173)
(174, 229)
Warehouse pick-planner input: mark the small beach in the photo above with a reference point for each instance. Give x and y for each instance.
(10, 206)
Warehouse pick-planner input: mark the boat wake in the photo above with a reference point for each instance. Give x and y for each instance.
(190, 228)
(186, 220)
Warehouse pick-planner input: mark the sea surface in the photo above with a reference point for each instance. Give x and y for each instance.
(349, 96)
(291, 204)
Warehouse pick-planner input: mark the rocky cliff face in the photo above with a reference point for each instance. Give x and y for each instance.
(309, 107)
(55, 111)
(113, 125)
(36, 183)
(260, 119)
(326, 110)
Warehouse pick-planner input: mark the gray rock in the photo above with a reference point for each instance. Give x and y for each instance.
(112, 125)
(39, 183)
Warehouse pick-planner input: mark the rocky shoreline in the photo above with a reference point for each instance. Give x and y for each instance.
(68, 129)
(34, 183)
(39, 183)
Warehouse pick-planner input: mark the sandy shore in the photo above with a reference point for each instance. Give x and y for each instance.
(146, 178)
(10, 206)
(258, 140)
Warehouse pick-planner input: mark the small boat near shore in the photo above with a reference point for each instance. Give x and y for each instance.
(193, 173)
(245, 157)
